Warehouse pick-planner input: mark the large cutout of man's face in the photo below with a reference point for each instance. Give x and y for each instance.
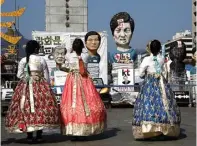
(92, 43)
(123, 34)
(59, 55)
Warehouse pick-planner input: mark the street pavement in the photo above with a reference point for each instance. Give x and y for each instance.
(118, 133)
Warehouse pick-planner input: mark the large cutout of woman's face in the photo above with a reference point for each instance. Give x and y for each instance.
(123, 34)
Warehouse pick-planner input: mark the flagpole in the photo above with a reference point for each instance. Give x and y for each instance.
(15, 10)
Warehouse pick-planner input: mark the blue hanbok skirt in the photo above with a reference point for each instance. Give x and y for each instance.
(155, 111)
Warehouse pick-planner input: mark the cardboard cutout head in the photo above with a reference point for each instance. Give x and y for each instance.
(148, 47)
(92, 42)
(122, 27)
(177, 51)
(59, 53)
(177, 55)
(194, 54)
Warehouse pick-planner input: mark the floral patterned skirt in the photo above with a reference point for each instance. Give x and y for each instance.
(26, 116)
(82, 110)
(155, 110)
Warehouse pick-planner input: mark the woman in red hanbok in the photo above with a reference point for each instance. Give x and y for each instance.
(33, 106)
(82, 110)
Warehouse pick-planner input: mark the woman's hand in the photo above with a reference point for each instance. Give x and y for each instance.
(90, 76)
(64, 68)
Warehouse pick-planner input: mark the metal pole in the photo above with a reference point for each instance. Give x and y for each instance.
(18, 19)
(15, 10)
(15, 31)
(18, 45)
(87, 16)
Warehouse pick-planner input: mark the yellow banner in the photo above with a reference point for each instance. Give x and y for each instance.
(6, 24)
(11, 39)
(16, 13)
(1, 1)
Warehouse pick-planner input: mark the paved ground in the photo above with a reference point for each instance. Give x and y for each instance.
(118, 133)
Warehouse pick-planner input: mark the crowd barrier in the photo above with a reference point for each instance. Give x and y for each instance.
(186, 94)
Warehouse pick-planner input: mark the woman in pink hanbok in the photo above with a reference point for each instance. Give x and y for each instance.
(82, 110)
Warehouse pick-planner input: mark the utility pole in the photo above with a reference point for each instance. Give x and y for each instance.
(16, 28)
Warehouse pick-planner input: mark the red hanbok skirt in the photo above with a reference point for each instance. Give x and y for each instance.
(82, 110)
(20, 117)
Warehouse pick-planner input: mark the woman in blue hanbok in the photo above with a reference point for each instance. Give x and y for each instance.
(155, 110)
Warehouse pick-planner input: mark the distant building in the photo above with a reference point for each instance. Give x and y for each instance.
(66, 15)
(194, 19)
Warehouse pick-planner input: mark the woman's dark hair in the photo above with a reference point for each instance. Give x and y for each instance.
(77, 46)
(155, 47)
(177, 51)
(126, 18)
(32, 47)
(90, 33)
